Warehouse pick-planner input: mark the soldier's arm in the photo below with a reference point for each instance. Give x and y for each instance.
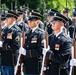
(63, 55)
(15, 44)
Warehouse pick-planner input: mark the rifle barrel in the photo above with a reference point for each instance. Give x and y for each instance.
(0, 20)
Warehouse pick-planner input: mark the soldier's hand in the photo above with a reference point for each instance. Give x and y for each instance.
(22, 51)
(73, 62)
(45, 50)
(1, 43)
(47, 58)
(48, 54)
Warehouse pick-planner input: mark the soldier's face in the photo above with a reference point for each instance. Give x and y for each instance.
(65, 14)
(56, 25)
(33, 23)
(19, 18)
(3, 23)
(49, 18)
(9, 21)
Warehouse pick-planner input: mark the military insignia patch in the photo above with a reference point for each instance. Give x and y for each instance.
(17, 38)
(2, 33)
(58, 37)
(34, 40)
(25, 37)
(57, 47)
(43, 41)
(9, 36)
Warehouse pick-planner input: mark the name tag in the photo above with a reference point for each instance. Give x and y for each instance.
(33, 41)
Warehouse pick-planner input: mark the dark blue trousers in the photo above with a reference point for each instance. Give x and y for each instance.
(7, 70)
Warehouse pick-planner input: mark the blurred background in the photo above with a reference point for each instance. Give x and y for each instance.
(39, 4)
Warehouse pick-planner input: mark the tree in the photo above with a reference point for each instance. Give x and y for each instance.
(33, 4)
(75, 3)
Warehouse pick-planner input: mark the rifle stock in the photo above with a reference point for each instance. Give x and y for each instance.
(74, 67)
(74, 44)
(20, 57)
(18, 67)
(43, 61)
(74, 72)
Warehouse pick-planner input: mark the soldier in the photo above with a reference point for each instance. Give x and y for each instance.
(41, 25)
(34, 44)
(20, 21)
(69, 22)
(21, 24)
(3, 21)
(71, 27)
(11, 42)
(26, 10)
(58, 57)
(3, 25)
(49, 18)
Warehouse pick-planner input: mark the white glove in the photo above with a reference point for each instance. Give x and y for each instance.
(44, 68)
(1, 43)
(45, 50)
(73, 62)
(22, 51)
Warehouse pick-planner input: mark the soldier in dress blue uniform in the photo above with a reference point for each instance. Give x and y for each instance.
(34, 44)
(21, 23)
(58, 57)
(3, 25)
(49, 18)
(3, 21)
(71, 27)
(11, 42)
(66, 12)
(41, 25)
(26, 11)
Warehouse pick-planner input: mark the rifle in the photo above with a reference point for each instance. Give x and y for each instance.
(74, 37)
(74, 44)
(45, 47)
(73, 68)
(20, 57)
(45, 44)
(15, 6)
(11, 6)
(45, 17)
(0, 19)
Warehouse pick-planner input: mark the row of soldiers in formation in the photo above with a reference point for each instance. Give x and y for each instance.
(58, 54)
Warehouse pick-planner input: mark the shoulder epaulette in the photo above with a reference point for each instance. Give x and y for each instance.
(50, 34)
(41, 29)
(66, 36)
(16, 27)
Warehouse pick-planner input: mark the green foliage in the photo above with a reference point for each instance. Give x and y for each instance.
(33, 4)
(58, 4)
